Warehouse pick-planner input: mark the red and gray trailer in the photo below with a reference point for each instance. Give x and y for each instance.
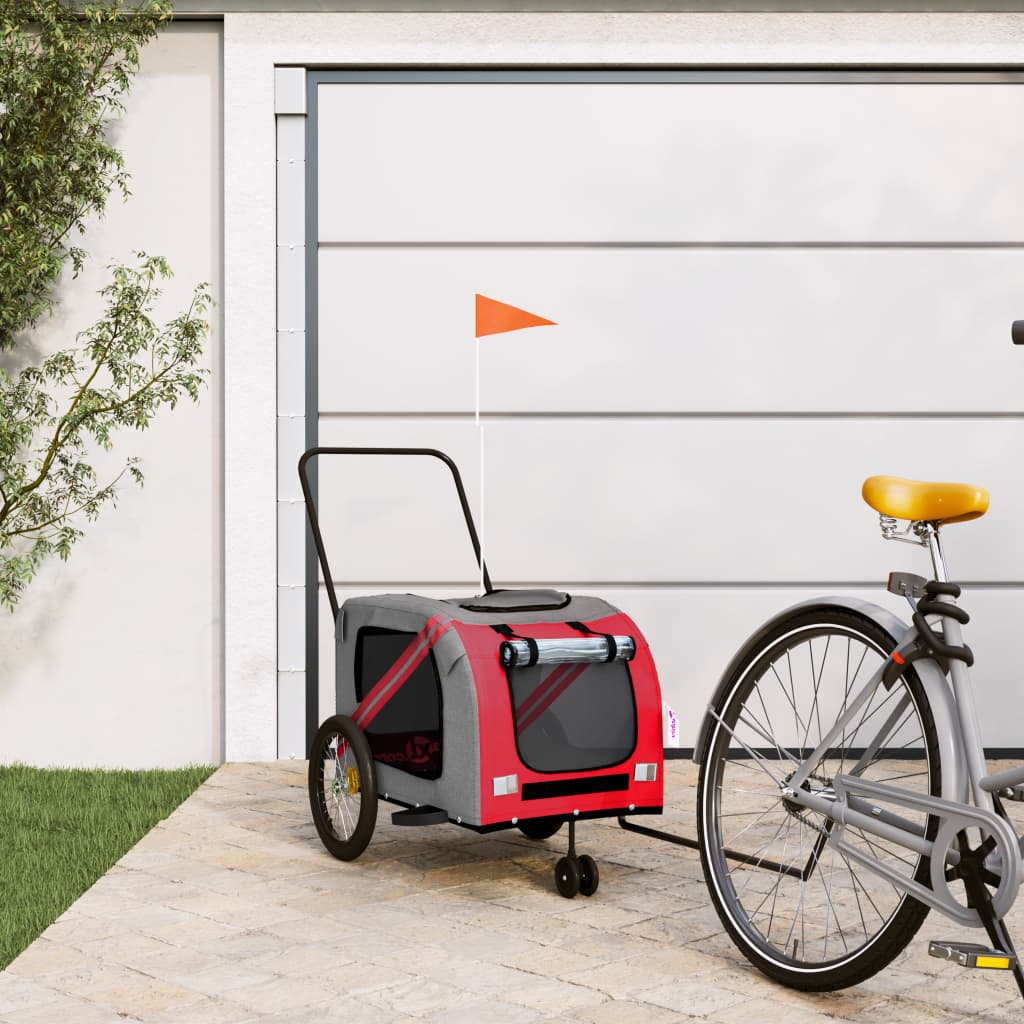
(521, 709)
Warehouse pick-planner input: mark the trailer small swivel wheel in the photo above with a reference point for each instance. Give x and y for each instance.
(589, 875)
(576, 874)
(567, 877)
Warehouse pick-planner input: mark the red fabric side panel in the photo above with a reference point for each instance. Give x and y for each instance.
(496, 728)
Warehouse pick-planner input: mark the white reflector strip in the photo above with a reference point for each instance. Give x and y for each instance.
(506, 785)
(645, 773)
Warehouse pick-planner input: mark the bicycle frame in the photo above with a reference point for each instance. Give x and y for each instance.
(966, 782)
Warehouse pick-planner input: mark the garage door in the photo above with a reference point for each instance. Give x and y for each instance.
(766, 287)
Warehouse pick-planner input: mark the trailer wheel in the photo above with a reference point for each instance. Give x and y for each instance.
(342, 787)
(540, 828)
(590, 877)
(567, 877)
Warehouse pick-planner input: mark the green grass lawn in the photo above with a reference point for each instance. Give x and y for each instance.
(61, 829)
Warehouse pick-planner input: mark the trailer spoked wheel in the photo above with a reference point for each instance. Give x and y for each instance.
(342, 787)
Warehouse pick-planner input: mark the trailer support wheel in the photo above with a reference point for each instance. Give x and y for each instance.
(589, 875)
(567, 877)
(576, 874)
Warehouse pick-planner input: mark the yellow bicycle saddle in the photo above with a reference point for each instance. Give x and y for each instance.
(924, 502)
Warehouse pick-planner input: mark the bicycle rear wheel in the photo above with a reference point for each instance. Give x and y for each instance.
(800, 909)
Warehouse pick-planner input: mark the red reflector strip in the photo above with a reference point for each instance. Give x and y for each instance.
(553, 693)
(896, 657)
(399, 673)
(536, 696)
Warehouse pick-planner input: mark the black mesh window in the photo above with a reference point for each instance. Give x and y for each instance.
(406, 733)
(573, 718)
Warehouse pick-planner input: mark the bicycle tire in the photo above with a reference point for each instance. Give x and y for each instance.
(342, 787)
(784, 924)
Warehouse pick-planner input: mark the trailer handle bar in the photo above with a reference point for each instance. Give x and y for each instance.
(314, 521)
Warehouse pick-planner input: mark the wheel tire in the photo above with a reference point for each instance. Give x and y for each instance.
(342, 787)
(567, 877)
(540, 828)
(842, 923)
(590, 877)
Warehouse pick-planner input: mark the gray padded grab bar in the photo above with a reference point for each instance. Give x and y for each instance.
(563, 651)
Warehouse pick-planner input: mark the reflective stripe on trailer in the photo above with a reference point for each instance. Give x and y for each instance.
(399, 673)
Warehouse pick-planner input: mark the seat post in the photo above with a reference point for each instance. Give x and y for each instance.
(931, 533)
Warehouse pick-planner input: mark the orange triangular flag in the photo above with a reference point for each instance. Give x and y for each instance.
(493, 317)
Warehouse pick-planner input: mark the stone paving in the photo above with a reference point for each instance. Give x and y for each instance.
(231, 912)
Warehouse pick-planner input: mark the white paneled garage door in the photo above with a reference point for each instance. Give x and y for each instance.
(766, 288)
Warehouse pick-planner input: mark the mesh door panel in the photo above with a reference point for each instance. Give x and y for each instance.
(406, 733)
(572, 718)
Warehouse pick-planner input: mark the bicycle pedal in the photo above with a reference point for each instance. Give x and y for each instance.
(971, 954)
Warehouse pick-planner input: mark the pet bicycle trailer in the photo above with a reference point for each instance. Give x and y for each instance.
(514, 708)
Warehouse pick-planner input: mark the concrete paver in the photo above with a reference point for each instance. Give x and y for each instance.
(231, 912)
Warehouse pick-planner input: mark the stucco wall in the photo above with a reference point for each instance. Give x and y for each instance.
(114, 658)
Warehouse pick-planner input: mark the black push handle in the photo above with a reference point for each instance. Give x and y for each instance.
(314, 521)
(1017, 332)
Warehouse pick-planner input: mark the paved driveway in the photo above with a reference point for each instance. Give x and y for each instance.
(230, 911)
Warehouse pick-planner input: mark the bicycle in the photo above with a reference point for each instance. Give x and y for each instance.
(843, 791)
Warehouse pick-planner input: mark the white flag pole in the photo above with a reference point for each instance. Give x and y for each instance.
(483, 590)
(499, 317)
(480, 436)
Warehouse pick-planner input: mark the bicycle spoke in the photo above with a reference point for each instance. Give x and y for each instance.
(768, 722)
(756, 767)
(802, 888)
(792, 688)
(900, 777)
(858, 884)
(778, 880)
(848, 690)
(790, 698)
(760, 760)
(888, 728)
(756, 858)
(817, 688)
(767, 736)
(750, 825)
(856, 894)
(741, 814)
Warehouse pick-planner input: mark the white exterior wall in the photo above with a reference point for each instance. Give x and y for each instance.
(114, 658)
(117, 654)
(718, 609)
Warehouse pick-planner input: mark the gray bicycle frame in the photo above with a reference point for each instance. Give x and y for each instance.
(966, 783)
